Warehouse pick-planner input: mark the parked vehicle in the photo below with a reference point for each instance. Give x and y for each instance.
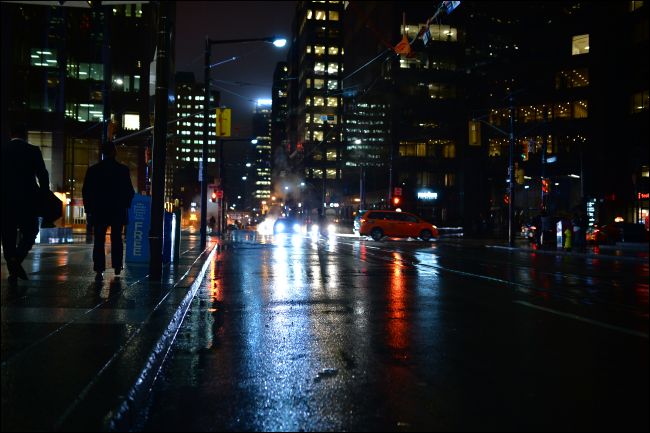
(380, 223)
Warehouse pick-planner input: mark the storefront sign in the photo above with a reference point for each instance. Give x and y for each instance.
(427, 195)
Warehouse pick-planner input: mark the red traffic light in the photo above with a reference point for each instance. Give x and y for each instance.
(214, 197)
(396, 200)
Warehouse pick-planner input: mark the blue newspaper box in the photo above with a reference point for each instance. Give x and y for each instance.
(137, 231)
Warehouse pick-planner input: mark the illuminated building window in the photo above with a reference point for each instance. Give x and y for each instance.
(318, 135)
(331, 154)
(308, 82)
(308, 49)
(318, 173)
(320, 15)
(319, 101)
(319, 50)
(572, 78)
(580, 110)
(580, 45)
(319, 68)
(449, 151)
(309, 14)
(308, 118)
(319, 83)
(640, 102)
(331, 173)
(450, 179)
(334, 16)
(332, 68)
(131, 121)
(635, 5)
(45, 57)
(333, 51)
(332, 101)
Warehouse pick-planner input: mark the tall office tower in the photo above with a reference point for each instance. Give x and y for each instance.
(262, 131)
(279, 121)
(188, 138)
(315, 106)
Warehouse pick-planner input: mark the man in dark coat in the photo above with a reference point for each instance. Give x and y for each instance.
(107, 195)
(22, 164)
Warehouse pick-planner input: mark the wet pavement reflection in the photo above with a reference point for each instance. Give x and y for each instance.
(300, 333)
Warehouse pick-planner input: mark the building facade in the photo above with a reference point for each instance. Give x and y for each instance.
(60, 78)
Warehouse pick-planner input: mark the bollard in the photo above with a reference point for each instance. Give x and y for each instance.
(177, 235)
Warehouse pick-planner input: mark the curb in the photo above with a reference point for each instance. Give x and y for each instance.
(562, 253)
(123, 417)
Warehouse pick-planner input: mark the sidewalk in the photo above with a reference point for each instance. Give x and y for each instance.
(79, 354)
(621, 251)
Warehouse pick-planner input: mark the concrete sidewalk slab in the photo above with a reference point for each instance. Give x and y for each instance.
(77, 354)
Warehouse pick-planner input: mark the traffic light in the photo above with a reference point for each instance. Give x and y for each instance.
(213, 198)
(396, 201)
(545, 186)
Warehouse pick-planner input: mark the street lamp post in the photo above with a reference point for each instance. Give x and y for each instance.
(203, 170)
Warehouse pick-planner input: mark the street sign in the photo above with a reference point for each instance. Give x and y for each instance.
(224, 116)
(397, 191)
(219, 193)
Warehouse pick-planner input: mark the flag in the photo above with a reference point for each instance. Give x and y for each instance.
(404, 47)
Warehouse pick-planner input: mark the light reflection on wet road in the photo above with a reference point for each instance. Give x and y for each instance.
(294, 333)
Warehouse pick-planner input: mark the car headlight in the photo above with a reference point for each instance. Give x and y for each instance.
(279, 227)
(296, 228)
(331, 228)
(314, 229)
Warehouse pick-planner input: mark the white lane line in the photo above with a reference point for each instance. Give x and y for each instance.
(584, 319)
(524, 303)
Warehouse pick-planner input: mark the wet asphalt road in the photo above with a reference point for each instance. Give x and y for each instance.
(292, 334)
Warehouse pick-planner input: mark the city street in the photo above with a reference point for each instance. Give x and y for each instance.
(295, 333)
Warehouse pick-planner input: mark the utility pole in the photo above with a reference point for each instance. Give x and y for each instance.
(159, 147)
(511, 175)
(544, 149)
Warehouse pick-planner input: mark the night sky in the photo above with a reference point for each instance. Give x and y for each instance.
(234, 20)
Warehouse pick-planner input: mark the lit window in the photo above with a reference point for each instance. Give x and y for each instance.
(634, 5)
(45, 58)
(332, 84)
(318, 135)
(319, 83)
(320, 15)
(308, 49)
(309, 14)
(334, 16)
(319, 50)
(580, 110)
(332, 68)
(319, 68)
(640, 102)
(131, 121)
(580, 45)
(319, 101)
(332, 51)
(331, 173)
(331, 154)
(308, 118)
(450, 179)
(332, 101)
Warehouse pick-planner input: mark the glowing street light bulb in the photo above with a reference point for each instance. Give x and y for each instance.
(280, 42)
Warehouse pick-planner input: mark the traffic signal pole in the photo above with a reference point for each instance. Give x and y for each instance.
(159, 147)
(511, 176)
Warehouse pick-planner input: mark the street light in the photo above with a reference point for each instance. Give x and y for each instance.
(203, 175)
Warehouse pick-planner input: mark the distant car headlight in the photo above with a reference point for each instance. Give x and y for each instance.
(331, 228)
(314, 229)
(279, 227)
(296, 228)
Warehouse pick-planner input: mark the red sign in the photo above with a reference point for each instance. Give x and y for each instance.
(219, 193)
(397, 191)
(644, 195)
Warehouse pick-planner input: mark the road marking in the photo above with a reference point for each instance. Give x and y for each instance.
(584, 319)
(524, 303)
